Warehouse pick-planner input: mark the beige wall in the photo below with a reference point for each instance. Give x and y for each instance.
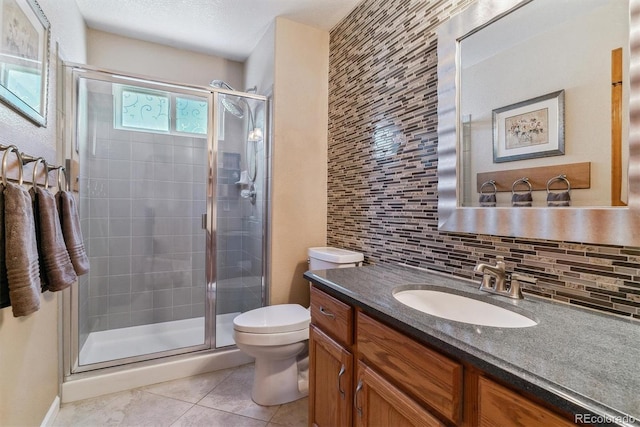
(299, 177)
(259, 67)
(113, 52)
(29, 353)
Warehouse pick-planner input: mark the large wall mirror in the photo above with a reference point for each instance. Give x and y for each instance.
(529, 92)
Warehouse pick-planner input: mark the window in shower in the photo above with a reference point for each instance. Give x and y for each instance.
(141, 109)
(191, 115)
(147, 110)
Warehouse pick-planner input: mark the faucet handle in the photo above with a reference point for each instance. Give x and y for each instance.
(521, 278)
(515, 289)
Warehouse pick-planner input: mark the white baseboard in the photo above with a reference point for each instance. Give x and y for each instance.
(52, 413)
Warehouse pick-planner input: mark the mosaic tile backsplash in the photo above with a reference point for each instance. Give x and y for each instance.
(382, 169)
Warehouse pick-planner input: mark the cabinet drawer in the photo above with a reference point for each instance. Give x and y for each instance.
(500, 406)
(427, 375)
(332, 316)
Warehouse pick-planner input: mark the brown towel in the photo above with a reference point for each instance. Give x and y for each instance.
(4, 285)
(521, 199)
(21, 251)
(34, 206)
(487, 200)
(58, 272)
(562, 198)
(71, 231)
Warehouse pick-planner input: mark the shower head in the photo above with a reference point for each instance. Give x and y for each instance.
(220, 84)
(229, 105)
(232, 107)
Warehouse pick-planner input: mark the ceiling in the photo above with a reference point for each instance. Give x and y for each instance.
(226, 28)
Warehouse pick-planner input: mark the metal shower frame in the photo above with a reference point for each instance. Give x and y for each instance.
(70, 340)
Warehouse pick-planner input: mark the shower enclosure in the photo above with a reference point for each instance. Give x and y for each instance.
(171, 188)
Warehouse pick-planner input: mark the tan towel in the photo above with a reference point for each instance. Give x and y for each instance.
(58, 272)
(4, 284)
(21, 251)
(71, 231)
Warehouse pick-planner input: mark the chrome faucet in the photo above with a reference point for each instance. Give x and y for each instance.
(495, 279)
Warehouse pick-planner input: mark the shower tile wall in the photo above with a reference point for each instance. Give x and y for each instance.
(382, 178)
(146, 193)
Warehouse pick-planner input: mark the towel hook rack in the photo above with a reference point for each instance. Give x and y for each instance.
(7, 150)
(62, 172)
(491, 183)
(561, 177)
(524, 180)
(29, 159)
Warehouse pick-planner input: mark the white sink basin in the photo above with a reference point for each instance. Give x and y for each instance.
(461, 309)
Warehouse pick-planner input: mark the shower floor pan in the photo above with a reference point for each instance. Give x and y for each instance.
(157, 337)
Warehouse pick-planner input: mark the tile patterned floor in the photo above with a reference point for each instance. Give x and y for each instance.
(221, 398)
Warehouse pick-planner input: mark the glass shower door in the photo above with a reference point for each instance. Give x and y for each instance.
(143, 151)
(240, 209)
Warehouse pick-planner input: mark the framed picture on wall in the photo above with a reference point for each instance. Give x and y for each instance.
(529, 129)
(24, 58)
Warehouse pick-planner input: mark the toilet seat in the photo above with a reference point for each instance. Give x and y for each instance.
(273, 319)
(273, 339)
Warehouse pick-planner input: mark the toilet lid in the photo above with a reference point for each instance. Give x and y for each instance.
(273, 318)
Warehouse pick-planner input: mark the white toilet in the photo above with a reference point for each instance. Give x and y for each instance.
(277, 337)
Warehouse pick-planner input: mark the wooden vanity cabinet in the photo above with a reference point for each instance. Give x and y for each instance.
(331, 361)
(364, 373)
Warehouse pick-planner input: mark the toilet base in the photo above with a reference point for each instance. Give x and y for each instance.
(277, 381)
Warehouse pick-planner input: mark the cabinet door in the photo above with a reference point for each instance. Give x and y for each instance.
(379, 403)
(330, 381)
(499, 406)
(425, 374)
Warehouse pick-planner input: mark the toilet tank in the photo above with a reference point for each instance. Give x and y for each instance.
(324, 258)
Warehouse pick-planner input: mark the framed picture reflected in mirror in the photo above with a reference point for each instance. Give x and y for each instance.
(529, 129)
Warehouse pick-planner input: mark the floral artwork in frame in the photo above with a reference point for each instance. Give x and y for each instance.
(529, 129)
(24, 58)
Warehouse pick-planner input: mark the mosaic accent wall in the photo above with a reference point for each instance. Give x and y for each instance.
(382, 179)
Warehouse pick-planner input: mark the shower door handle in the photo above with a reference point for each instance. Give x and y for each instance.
(204, 221)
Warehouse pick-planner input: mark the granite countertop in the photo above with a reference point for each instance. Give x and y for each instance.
(576, 359)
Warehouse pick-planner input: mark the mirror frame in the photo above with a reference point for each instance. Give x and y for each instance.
(598, 225)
